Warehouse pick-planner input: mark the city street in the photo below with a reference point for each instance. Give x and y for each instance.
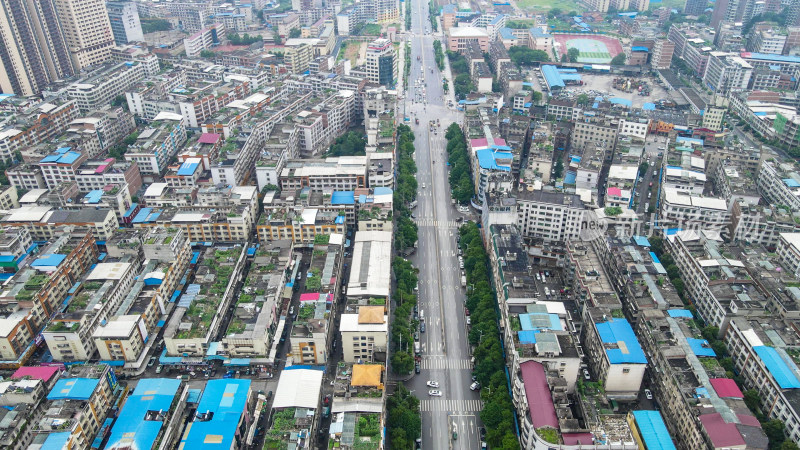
(445, 351)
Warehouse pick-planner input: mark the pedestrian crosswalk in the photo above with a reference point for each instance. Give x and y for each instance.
(436, 223)
(454, 406)
(446, 364)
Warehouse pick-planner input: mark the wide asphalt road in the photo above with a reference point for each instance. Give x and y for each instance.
(445, 350)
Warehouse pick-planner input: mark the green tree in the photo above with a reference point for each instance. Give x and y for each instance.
(753, 400)
(555, 12)
(559, 169)
(526, 56)
(153, 25)
(402, 362)
(349, 144)
(710, 333)
(207, 54)
(774, 431)
(582, 99)
(536, 96)
(573, 54)
(788, 445)
(294, 33)
(618, 60)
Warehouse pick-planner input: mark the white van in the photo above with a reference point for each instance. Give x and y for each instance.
(421, 314)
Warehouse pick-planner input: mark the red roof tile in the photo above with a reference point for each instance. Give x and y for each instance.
(726, 388)
(540, 402)
(722, 434)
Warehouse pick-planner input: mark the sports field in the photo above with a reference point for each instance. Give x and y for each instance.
(595, 49)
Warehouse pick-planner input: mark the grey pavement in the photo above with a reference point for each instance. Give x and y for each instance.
(445, 351)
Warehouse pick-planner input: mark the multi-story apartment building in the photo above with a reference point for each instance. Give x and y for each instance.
(60, 166)
(381, 63)
(196, 320)
(204, 39)
(344, 173)
(364, 334)
(157, 144)
(69, 334)
(601, 133)
(662, 54)
(299, 226)
(614, 351)
(42, 122)
(703, 408)
(125, 24)
(539, 214)
(30, 298)
(693, 210)
(106, 127)
(760, 349)
(76, 407)
(221, 214)
(99, 173)
(128, 335)
(691, 47)
(727, 72)
(44, 222)
(33, 52)
(297, 55)
(459, 38)
(87, 31)
(254, 326)
(100, 87)
(760, 225)
(720, 286)
(779, 183)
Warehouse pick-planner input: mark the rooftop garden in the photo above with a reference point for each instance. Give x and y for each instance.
(58, 327)
(205, 306)
(367, 432)
(306, 312)
(283, 423)
(236, 326)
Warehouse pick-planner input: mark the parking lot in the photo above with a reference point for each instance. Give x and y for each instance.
(602, 83)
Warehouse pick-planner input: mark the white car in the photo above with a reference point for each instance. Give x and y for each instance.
(433, 384)
(648, 394)
(435, 393)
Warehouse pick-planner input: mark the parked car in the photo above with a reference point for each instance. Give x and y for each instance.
(648, 394)
(159, 368)
(474, 386)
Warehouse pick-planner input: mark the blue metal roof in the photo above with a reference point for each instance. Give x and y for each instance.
(620, 101)
(48, 260)
(56, 441)
(130, 210)
(766, 57)
(701, 347)
(653, 431)
(131, 430)
(507, 33)
(146, 215)
(641, 241)
(526, 321)
(689, 140)
(617, 331)
(343, 198)
(338, 220)
(570, 177)
(639, 49)
(62, 157)
(94, 196)
(778, 367)
(382, 191)
(649, 107)
(527, 336)
(552, 76)
(680, 313)
(187, 168)
(791, 182)
(655, 258)
(487, 158)
(226, 399)
(73, 389)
